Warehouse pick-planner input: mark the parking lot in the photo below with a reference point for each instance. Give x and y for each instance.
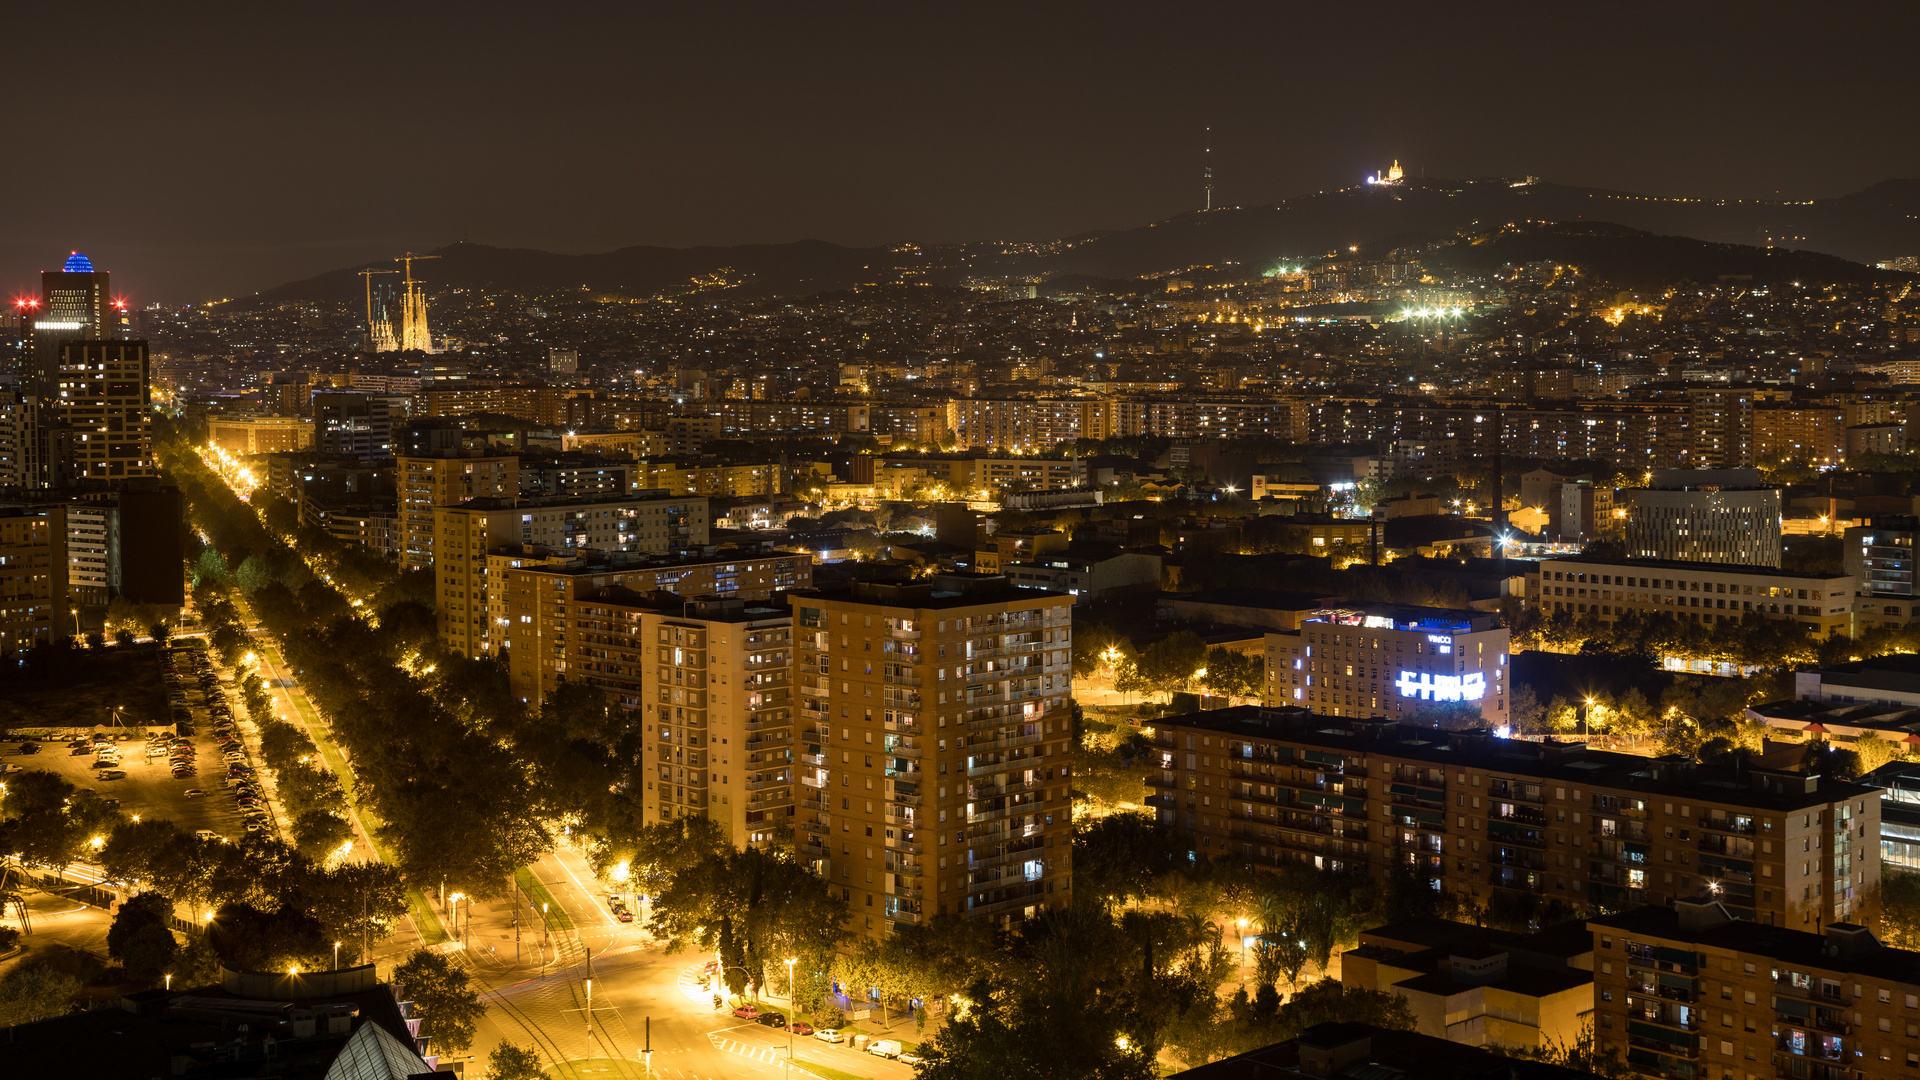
(149, 787)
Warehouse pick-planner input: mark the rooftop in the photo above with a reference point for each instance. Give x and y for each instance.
(1570, 762)
(1693, 567)
(1859, 953)
(1365, 1052)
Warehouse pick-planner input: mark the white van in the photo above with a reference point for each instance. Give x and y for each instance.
(886, 1048)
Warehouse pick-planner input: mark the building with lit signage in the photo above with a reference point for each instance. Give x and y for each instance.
(76, 304)
(1388, 660)
(1484, 818)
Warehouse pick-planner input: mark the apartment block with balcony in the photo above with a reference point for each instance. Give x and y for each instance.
(1479, 816)
(536, 603)
(447, 478)
(1695, 991)
(468, 535)
(934, 732)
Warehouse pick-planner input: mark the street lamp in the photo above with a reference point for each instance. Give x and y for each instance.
(793, 1010)
(336, 956)
(1242, 924)
(455, 901)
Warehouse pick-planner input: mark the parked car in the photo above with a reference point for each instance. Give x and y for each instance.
(114, 774)
(910, 1059)
(772, 1020)
(831, 1035)
(182, 774)
(800, 1027)
(105, 763)
(29, 748)
(80, 751)
(886, 1048)
(193, 793)
(746, 1012)
(623, 915)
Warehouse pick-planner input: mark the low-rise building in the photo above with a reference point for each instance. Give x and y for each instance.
(1478, 986)
(1705, 593)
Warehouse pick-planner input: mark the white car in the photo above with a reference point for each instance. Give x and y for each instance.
(831, 1035)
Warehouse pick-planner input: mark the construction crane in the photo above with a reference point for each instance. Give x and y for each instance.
(368, 274)
(409, 259)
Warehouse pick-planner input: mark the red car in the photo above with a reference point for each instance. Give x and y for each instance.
(801, 1027)
(746, 1012)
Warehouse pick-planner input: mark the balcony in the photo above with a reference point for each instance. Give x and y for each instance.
(901, 680)
(1737, 826)
(1813, 1049)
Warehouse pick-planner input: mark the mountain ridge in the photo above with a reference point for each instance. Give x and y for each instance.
(1877, 222)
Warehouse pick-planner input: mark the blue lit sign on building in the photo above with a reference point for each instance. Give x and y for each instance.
(1430, 687)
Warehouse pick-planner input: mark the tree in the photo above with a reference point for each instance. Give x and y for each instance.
(1234, 674)
(34, 992)
(995, 1038)
(1170, 664)
(1524, 710)
(196, 964)
(319, 832)
(1900, 908)
(140, 938)
(510, 1062)
(443, 994)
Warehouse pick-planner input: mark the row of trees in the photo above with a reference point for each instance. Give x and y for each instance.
(1181, 662)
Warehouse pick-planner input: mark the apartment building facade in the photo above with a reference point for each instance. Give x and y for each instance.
(1389, 660)
(1697, 991)
(468, 533)
(1482, 816)
(445, 479)
(934, 728)
(33, 577)
(535, 602)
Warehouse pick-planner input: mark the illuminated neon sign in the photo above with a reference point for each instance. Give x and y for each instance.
(1429, 687)
(1443, 642)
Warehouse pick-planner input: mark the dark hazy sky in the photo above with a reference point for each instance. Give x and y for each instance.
(198, 150)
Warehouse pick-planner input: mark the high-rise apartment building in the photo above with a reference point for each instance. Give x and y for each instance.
(1486, 818)
(1696, 991)
(447, 478)
(466, 534)
(1879, 556)
(1704, 515)
(100, 400)
(1389, 660)
(935, 748)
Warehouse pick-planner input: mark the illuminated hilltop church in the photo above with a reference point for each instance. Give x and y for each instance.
(1393, 176)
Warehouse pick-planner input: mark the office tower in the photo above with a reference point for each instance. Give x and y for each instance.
(100, 399)
(357, 424)
(934, 732)
(1704, 515)
(445, 478)
(76, 304)
(1387, 660)
(1485, 818)
(466, 534)
(1693, 990)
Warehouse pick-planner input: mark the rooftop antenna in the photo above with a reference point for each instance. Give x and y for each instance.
(1209, 167)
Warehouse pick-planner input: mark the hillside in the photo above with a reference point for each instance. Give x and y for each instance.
(1635, 259)
(1877, 223)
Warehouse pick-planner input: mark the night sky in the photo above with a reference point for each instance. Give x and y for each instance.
(200, 151)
